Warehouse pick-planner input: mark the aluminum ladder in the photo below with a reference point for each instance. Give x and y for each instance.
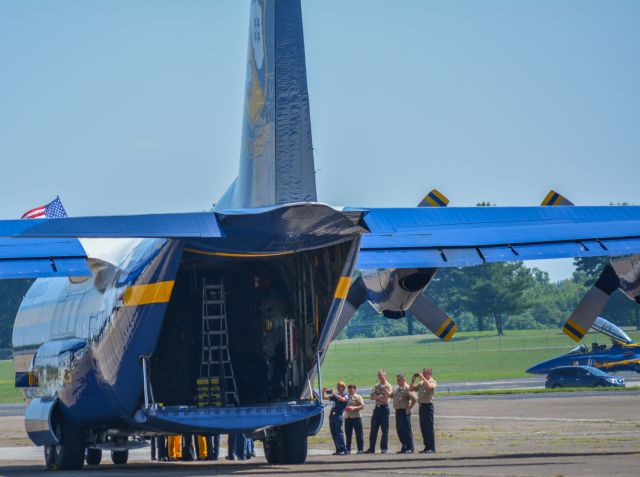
(216, 384)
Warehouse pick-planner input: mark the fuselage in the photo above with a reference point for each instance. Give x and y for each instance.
(83, 337)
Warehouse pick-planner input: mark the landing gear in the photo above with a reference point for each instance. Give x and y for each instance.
(94, 456)
(287, 444)
(120, 457)
(69, 453)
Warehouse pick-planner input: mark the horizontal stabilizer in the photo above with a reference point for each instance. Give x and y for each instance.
(188, 225)
(553, 198)
(436, 320)
(435, 198)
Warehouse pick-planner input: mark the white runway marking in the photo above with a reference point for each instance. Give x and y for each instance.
(541, 419)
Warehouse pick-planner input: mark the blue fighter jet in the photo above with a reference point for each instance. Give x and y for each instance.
(622, 355)
(218, 322)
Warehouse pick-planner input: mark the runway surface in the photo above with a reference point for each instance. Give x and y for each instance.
(568, 434)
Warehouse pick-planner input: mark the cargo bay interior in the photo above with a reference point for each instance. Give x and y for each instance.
(274, 309)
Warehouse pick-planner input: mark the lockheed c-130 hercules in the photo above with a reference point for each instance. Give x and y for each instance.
(224, 317)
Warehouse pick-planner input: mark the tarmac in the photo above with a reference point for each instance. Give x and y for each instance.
(559, 434)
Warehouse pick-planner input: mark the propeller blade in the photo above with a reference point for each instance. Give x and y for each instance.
(428, 313)
(357, 296)
(591, 305)
(435, 198)
(553, 198)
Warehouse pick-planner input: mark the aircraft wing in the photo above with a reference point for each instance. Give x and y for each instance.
(186, 225)
(50, 248)
(467, 236)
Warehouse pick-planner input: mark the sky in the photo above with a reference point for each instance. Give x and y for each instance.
(126, 107)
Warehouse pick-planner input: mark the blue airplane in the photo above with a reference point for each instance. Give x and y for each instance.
(622, 355)
(197, 323)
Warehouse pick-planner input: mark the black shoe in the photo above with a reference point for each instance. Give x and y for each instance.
(408, 451)
(428, 451)
(369, 451)
(361, 452)
(230, 457)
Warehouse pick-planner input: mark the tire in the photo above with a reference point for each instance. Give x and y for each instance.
(94, 456)
(598, 385)
(50, 457)
(120, 457)
(70, 451)
(556, 386)
(288, 445)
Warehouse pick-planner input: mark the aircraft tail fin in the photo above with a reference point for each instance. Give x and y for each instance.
(276, 163)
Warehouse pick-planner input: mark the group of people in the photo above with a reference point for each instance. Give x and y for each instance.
(347, 404)
(201, 447)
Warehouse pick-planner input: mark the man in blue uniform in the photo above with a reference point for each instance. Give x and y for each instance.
(340, 400)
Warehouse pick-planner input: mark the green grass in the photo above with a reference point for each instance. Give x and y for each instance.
(497, 392)
(469, 356)
(8, 392)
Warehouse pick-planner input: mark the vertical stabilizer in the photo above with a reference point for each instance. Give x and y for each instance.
(276, 162)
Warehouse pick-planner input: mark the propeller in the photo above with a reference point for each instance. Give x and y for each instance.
(553, 198)
(591, 305)
(621, 274)
(356, 296)
(435, 198)
(438, 322)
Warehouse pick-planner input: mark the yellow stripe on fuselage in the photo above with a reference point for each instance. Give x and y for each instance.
(146, 294)
(343, 288)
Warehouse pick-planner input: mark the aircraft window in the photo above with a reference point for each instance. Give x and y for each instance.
(579, 349)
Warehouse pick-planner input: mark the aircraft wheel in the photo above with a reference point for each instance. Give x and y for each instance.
(288, 445)
(120, 457)
(271, 451)
(94, 456)
(50, 457)
(68, 454)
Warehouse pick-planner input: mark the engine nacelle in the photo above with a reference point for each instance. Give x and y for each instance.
(628, 271)
(393, 292)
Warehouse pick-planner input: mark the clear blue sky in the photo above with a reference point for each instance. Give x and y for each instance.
(135, 106)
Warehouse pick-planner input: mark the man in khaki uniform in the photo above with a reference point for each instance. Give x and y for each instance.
(425, 389)
(380, 418)
(403, 401)
(353, 420)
